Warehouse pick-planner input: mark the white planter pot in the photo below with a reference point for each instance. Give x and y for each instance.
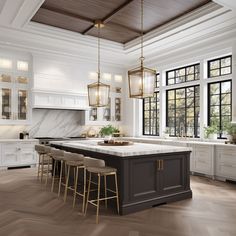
(212, 136)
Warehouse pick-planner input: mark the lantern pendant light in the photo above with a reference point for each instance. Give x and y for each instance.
(141, 79)
(98, 93)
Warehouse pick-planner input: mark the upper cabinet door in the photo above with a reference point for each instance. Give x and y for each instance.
(14, 91)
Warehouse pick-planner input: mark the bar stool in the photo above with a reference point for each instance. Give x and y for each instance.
(98, 168)
(58, 157)
(40, 149)
(76, 161)
(49, 162)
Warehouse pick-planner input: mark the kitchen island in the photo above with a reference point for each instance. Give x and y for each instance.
(148, 174)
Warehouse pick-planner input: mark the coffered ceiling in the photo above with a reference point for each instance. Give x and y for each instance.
(121, 17)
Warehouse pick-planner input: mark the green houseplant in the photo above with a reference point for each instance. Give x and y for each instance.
(108, 130)
(231, 131)
(211, 132)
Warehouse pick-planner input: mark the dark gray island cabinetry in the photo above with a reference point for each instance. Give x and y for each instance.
(148, 174)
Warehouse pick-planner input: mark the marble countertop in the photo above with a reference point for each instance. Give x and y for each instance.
(180, 141)
(18, 140)
(132, 150)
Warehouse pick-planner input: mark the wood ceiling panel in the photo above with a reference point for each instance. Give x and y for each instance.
(61, 21)
(121, 17)
(156, 13)
(93, 9)
(115, 33)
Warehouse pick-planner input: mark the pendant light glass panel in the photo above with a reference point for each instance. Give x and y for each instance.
(141, 82)
(98, 94)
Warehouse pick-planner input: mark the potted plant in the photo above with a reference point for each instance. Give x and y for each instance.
(108, 131)
(211, 132)
(231, 132)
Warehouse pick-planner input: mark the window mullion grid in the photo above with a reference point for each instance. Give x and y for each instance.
(175, 116)
(220, 106)
(185, 104)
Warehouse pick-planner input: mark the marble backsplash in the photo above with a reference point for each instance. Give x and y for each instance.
(48, 123)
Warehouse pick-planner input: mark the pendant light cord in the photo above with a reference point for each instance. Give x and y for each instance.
(142, 57)
(99, 52)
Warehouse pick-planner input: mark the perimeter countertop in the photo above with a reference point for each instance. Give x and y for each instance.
(137, 149)
(18, 140)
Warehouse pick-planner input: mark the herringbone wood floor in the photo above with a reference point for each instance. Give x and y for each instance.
(28, 209)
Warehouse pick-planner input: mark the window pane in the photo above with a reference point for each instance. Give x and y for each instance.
(215, 111)
(214, 73)
(214, 64)
(225, 71)
(225, 109)
(226, 99)
(226, 62)
(226, 87)
(215, 100)
(215, 88)
(180, 93)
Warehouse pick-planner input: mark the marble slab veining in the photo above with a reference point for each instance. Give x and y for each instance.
(136, 149)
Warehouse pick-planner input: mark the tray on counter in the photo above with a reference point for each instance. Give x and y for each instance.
(120, 143)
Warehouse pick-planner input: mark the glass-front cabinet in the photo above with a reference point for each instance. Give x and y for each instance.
(14, 91)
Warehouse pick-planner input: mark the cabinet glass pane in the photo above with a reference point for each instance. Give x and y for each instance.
(5, 78)
(22, 104)
(107, 112)
(117, 109)
(22, 65)
(5, 96)
(22, 80)
(93, 114)
(5, 63)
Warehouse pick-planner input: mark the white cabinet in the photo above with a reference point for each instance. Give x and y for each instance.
(14, 91)
(226, 162)
(203, 159)
(17, 153)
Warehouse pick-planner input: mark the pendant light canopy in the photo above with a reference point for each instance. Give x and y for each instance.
(141, 79)
(98, 93)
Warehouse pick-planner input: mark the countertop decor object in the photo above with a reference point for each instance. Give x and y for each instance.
(115, 143)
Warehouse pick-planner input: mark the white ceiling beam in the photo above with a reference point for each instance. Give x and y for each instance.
(231, 4)
(18, 13)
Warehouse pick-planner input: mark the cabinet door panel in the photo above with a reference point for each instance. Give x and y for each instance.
(172, 174)
(143, 169)
(9, 154)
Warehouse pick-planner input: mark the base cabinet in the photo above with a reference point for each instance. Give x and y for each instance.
(225, 163)
(14, 154)
(163, 176)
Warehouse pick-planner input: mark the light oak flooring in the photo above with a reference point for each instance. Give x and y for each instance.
(27, 208)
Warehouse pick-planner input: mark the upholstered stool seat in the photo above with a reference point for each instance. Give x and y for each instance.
(101, 170)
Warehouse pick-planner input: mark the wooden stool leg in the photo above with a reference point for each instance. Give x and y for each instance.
(84, 191)
(67, 183)
(117, 194)
(105, 189)
(59, 188)
(54, 172)
(89, 184)
(47, 171)
(42, 167)
(98, 197)
(75, 185)
(39, 165)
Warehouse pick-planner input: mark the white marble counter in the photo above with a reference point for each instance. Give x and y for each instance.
(132, 150)
(174, 141)
(18, 140)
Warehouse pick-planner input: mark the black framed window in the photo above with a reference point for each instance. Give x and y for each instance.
(151, 115)
(220, 105)
(157, 82)
(220, 66)
(183, 111)
(183, 74)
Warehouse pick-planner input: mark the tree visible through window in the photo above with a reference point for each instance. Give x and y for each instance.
(220, 105)
(183, 111)
(151, 115)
